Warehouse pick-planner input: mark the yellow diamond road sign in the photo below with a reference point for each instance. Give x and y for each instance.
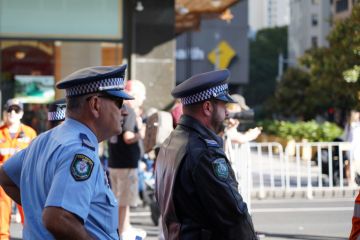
(222, 55)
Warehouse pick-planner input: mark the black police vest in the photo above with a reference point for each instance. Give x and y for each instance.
(171, 156)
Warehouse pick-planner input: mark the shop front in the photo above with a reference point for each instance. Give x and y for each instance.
(44, 41)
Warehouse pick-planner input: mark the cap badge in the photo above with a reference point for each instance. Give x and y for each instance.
(112, 87)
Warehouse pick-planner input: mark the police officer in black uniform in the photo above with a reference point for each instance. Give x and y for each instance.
(195, 185)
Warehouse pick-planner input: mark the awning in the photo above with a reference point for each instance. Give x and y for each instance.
(190, 12)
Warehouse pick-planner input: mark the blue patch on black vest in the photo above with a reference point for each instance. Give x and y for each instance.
(211, 143)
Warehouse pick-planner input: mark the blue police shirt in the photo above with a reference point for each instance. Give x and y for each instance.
(61, 168)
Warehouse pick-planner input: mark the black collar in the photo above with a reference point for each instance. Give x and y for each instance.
(206, 133)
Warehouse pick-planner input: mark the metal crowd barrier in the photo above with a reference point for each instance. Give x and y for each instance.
(305, 166)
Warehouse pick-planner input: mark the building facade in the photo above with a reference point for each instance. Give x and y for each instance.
(268, 14)
(43, 41)
(310, 23)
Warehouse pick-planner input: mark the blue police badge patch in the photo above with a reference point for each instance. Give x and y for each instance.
(221, 169)
(81, 167)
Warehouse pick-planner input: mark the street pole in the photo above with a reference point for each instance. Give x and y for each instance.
(128, 34)
(280, 67)
(217, 51)
(281, 62)
(188, 63)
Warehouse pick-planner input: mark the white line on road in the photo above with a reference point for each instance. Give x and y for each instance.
(281, 201)
(327, 209)
(272, 210)
(139, 214)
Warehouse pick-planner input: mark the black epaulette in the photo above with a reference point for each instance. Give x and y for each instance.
(211, 143)
(85, 141)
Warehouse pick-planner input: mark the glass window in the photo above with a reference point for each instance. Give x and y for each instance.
(315, 2)
(29, 71)
(342, 5)
(314, 20)
(314, 42)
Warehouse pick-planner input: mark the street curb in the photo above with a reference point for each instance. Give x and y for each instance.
(314, 193)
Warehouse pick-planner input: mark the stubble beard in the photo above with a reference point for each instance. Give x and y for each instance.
(216, 123)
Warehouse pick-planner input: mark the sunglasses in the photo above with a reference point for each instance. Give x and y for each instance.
(119, 102)
(14, 108)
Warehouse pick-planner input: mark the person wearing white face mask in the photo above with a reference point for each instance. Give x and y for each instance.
(14, 136)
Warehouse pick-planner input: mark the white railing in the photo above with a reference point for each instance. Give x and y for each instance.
(305, 166)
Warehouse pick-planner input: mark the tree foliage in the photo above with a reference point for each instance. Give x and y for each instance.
(329, 67)
(264, 52)
(292, 94)
(331, 79)
(310, 130)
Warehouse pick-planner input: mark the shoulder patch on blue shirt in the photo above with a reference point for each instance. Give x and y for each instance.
(85, 141)
(221, 169)
(211, 143)
(81, 167)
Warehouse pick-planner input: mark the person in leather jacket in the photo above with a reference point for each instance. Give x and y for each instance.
(195, 185)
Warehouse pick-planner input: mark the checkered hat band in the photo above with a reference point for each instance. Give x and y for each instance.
(206, 94)
(56, 116)
(95, 86)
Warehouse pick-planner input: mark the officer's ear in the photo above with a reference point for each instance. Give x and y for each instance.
(207, 108)
(94, 104)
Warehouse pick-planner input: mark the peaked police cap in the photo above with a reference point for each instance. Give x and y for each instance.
(204, 86)
(107, 79)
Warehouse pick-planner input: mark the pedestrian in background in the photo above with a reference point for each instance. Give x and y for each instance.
(37, 115)
(352, 135)
(232, 124)
(59, 179)
(14, 136)
(233, 137)
(236, 145)
(125, 151)
(195, 184)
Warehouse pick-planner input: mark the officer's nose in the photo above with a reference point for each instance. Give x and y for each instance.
(124, 111)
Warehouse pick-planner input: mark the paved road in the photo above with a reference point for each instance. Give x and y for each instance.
(277, 219)
(303, 219)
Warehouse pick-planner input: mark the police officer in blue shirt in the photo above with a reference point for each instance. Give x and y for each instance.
(195, 185)
(59, 179)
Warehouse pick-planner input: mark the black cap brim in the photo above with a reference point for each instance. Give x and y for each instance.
(119, 94)
(225, 98)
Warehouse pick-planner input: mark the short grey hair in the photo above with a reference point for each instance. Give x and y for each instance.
(75, 103)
